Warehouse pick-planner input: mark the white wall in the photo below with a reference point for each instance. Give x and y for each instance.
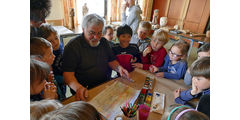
(57, 11)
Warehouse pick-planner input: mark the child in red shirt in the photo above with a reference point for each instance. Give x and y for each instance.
(155, 53)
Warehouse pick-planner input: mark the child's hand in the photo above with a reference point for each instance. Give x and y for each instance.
(147, 51)
(133, 60)
(50, 91)
(195, 89)
(176, 93)
(51, 77)
(153, 69)
(137, 65)
(160, 74)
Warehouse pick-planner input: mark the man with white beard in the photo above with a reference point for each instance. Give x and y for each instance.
(87, 58)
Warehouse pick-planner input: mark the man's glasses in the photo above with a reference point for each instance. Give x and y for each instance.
(174, 54)
(91, 33)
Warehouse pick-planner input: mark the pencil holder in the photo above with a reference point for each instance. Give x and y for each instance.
(129, 111)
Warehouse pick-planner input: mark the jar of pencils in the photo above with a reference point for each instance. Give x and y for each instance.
(129, 112)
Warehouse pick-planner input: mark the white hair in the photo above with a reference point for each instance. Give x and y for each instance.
(92, 19)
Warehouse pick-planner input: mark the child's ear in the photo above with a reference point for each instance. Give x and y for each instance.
(183, 57)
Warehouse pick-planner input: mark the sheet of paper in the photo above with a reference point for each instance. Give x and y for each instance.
(108, 102)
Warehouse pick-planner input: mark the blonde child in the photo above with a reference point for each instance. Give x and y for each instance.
(141, 38)
(203, 51)
(126, 53)
(175, 65)
(182, 112)
(108, 34)
(200, 70)
(39, 108)
(39, 87)
(78, 110)
(47, 32)
(155, 53)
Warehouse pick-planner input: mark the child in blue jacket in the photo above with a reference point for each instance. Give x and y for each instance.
(200, 70)
(174, 64)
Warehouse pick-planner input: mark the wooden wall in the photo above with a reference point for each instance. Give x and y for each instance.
(191, 14)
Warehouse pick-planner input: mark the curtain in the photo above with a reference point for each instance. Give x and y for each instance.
(115, 10)
(146, 6)
(68, 5)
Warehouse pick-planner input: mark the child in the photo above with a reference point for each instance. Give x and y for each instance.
(78, 110)
(154, 54)
(126, 53)
(43, 48)
(38, 73)
(200, 70)
(174, 64)
(203, 51)
(47, 32)
(108, 34)
(39, 108)
(179, 112)
(141, 38)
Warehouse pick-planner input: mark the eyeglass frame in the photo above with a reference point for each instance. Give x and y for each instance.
(174, 54)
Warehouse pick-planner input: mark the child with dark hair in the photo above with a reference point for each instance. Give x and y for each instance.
(126, 53)
(155, 53)
(182, 112)
(175, 65)
(47, 32)
(39, 10)
(39, 87)
(203, 51)
(78, 110)
(200, 70)
(108, 34)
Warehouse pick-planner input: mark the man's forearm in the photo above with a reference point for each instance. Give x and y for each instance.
(71, 80)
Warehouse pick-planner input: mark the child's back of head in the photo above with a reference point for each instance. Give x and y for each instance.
(78, 110)
(39, 108)
(179, 112)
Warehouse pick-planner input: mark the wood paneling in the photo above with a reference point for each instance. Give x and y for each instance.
(193, 14)
(161, 5)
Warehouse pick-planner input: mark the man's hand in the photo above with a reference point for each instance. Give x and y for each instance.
(123, 72)
(50, 91)
(195, 90)
(153, 69)
(124, 7)
(81, 93)
(147, 51)
(137, 65)
(160, 74)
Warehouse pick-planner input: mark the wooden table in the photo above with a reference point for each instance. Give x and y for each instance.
(161, 85)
